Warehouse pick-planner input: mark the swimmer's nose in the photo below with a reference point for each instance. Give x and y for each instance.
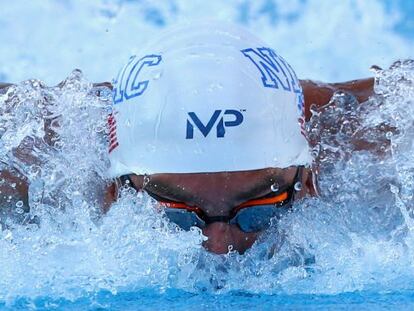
(223, 237)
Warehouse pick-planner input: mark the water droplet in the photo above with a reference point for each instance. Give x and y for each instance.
(157, 75)
(316, 150)
(99, 129)
(45, 112)
(298, 186)
(19, 204)
(394, 189)
(274, 187)
(19, 210)
(146, 181)
(34, 169)
(8, 235)
(230, 248)
(388, 135)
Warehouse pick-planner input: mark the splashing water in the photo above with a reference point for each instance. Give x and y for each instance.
(356, 236)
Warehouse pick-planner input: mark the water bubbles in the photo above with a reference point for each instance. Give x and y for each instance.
(214, 87)
(8, 235)
(101, 129)
(315, 151)
(59, 144)
(19, 204)
(394, 189)
(298, 186)
(146, 180)
(157, 75)
(34, 170)
(275, 187)
(19, 210)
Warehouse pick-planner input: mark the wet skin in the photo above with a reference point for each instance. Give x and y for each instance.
(217, 194)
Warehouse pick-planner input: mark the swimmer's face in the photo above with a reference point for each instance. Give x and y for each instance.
(217, 194)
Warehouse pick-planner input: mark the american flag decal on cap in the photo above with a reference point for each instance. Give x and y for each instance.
(113, 141)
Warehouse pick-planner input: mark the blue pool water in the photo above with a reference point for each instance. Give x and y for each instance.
(179, 300)
(352, 248)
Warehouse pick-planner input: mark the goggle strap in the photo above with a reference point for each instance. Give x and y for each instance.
(178, 205)
(273, 200)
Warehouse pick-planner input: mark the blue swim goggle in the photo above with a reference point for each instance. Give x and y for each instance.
(252, 216)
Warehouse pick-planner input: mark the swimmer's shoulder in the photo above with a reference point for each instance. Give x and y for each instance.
(319, 93)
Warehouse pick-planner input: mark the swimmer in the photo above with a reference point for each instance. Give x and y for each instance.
(208, 120)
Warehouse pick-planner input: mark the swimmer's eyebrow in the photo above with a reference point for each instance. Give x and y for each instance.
(169, 192)
(174, 192)
(160, 189)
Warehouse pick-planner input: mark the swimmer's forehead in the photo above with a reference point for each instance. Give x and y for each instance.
(236, 186)
(280, 175)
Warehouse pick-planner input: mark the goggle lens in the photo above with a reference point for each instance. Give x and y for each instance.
(258, 218)
(252, 218)
(184, 219)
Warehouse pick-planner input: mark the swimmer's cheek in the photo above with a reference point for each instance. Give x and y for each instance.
(109, 197)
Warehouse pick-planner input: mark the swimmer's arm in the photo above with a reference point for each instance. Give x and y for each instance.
(14, 186)
(319, 93)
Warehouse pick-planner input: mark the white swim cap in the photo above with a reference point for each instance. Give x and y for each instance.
(206, 98)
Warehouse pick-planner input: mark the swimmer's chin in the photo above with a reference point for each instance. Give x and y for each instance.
(223, 237)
